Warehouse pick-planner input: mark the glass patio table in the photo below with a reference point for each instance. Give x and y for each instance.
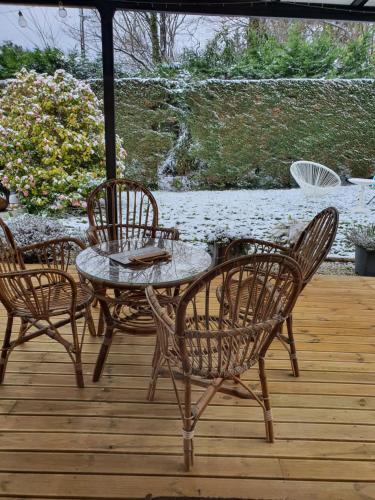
(120, 288)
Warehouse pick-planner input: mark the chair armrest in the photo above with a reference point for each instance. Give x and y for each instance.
(57, 253)
(167, 233)
(160, 312)
(49, 243)
(33, 288)
(256, 246)
(92, 236)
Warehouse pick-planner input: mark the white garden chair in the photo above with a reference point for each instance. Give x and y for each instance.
(314, 179)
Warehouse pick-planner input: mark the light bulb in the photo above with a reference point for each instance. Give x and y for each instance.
(62, 10)
(21, 20)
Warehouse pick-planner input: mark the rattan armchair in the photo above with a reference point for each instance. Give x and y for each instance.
(134, 211)
(44, 299)
(309, 251)
(131, 206)
(210, 339)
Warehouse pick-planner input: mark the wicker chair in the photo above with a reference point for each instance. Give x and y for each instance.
(44, 299)
(131, 206)
(309, 251)
(200, 342)
(135, 212)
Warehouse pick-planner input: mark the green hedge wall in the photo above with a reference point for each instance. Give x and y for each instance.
(245, 133)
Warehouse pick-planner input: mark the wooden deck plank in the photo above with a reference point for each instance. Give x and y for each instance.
(130, 464)
(107, 441)
(135, 487)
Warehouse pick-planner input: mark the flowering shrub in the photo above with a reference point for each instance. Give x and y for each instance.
(52, 140)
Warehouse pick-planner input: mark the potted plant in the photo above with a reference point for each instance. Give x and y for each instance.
(363, 238)
(218, 240)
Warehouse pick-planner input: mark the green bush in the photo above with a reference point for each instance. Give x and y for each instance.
(13, 58)
(51, 140)
(245, 133)
(318, 54)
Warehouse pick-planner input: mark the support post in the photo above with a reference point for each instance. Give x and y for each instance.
(106, 17)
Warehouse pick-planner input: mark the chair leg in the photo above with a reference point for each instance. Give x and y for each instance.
(103, 353)
(5, 348)
(292, 345)
(188, 428)
(156, 363)
(266, 400)
(77, 355)
(90, 321)
(101, 322)
(23, 328)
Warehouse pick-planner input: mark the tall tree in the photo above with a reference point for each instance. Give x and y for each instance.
(142, 40)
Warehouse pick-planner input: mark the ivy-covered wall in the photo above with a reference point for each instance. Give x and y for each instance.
(245, 133)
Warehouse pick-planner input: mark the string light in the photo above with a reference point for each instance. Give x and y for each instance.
(21, 20)
(62, 10)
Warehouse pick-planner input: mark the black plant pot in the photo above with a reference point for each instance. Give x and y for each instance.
(364, 262)
(217, 252)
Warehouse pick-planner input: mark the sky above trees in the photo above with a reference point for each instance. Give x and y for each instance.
(171, 45)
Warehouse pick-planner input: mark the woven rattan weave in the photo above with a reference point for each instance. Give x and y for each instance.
(120, 209)
(44, 299)
(210, 339)
(311, 248)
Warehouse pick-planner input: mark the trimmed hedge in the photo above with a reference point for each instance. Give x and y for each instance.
(244, 133)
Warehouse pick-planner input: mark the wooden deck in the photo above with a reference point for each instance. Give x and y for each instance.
(107, 442)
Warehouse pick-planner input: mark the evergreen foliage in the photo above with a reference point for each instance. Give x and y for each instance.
(263, 55)
(245, 133)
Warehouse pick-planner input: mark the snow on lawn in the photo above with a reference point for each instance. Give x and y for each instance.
(199, 214)
(256, 213)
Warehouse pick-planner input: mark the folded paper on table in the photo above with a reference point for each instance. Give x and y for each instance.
(140, 256)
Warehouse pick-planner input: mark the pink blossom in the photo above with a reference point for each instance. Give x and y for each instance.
(76, 203)
(25, 193)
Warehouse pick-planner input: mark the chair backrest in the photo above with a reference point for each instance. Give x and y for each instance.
(315, 242)
(10, 257)
(228, 318)
(58, 253)
(10, 261)
(313, 178)
(130, 205)
(250, 246)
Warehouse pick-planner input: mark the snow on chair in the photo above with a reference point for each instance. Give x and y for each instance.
(313, 178)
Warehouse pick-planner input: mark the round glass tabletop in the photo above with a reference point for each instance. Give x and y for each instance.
(186, 263)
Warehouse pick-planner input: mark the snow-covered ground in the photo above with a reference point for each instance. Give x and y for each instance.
(256, 213)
